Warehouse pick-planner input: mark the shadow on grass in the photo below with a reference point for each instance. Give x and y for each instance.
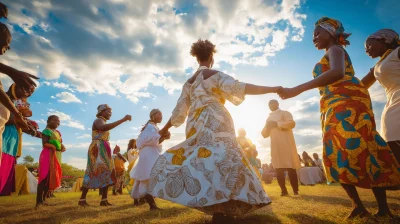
(304, 218)
(147, 216)
(338, 200)
(73, 213)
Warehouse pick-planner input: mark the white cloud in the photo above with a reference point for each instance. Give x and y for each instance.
(84, 145)
(150, 40)
(66, 97)
(84, 136)
(309, 132)
(66, 119)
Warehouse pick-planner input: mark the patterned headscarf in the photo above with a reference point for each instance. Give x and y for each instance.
(388, 35)
(101, 108)
(335, 28)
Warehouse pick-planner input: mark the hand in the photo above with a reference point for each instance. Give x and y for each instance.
(276, 89)
(164, 132)
(286, 93)
(63, 149)
(21, 122)
(3, 11)
(127, 118)
(23, 79)
(272, 125)
(167, 135)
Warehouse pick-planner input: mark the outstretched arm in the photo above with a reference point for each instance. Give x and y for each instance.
(369, 79)
(259, 90)
(101, 125)
(336, 72)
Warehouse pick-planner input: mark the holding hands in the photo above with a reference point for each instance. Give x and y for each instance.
(286, 93)
(165, 134)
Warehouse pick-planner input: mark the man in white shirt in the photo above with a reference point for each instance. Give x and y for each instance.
(284, 154)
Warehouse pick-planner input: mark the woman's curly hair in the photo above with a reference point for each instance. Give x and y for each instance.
(202, 50)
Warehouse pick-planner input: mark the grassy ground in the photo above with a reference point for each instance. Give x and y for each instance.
(315, 204)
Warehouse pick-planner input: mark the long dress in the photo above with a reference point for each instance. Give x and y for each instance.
(387, 72)
(208, 171)
(49, 167)
(353, 151)
(11, 149)
(133, 154)
(4, 117)
(149, 151)
(283, 145)
(100, 167)
(119, 173)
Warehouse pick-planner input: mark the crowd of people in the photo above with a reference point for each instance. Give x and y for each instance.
(213, 170)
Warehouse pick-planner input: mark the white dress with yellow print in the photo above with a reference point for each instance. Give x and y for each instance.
(208, 171)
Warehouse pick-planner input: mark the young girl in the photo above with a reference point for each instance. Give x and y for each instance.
(49, 167)
(149, 147)
(119, 162)
(12, 138)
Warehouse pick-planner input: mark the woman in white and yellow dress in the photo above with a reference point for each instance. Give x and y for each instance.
(132, 154)
(209, 170)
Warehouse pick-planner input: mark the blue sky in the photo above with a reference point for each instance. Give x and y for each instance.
(135, 57)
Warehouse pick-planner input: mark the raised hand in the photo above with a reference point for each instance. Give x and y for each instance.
(286, 93)
(127, 118)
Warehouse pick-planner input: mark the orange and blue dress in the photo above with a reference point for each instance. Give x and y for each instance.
(353, 151)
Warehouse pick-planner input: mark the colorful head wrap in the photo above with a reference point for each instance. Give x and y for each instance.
(101, 108)
(388, 35)
(335, 28)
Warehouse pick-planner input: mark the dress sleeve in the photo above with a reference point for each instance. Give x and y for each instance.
(180, 112)
(288, 122)
(231, 89)
(149, 137)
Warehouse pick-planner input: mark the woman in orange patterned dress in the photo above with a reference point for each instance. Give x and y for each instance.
(354, 153)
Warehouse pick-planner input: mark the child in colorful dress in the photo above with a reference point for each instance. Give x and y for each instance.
(49, 168)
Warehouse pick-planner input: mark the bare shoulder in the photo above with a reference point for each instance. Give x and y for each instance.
(336, 50)
(98, 122)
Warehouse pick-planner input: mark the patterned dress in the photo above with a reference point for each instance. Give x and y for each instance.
(48, 161)
(208, 171)
(353, 151)
(100, 167)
